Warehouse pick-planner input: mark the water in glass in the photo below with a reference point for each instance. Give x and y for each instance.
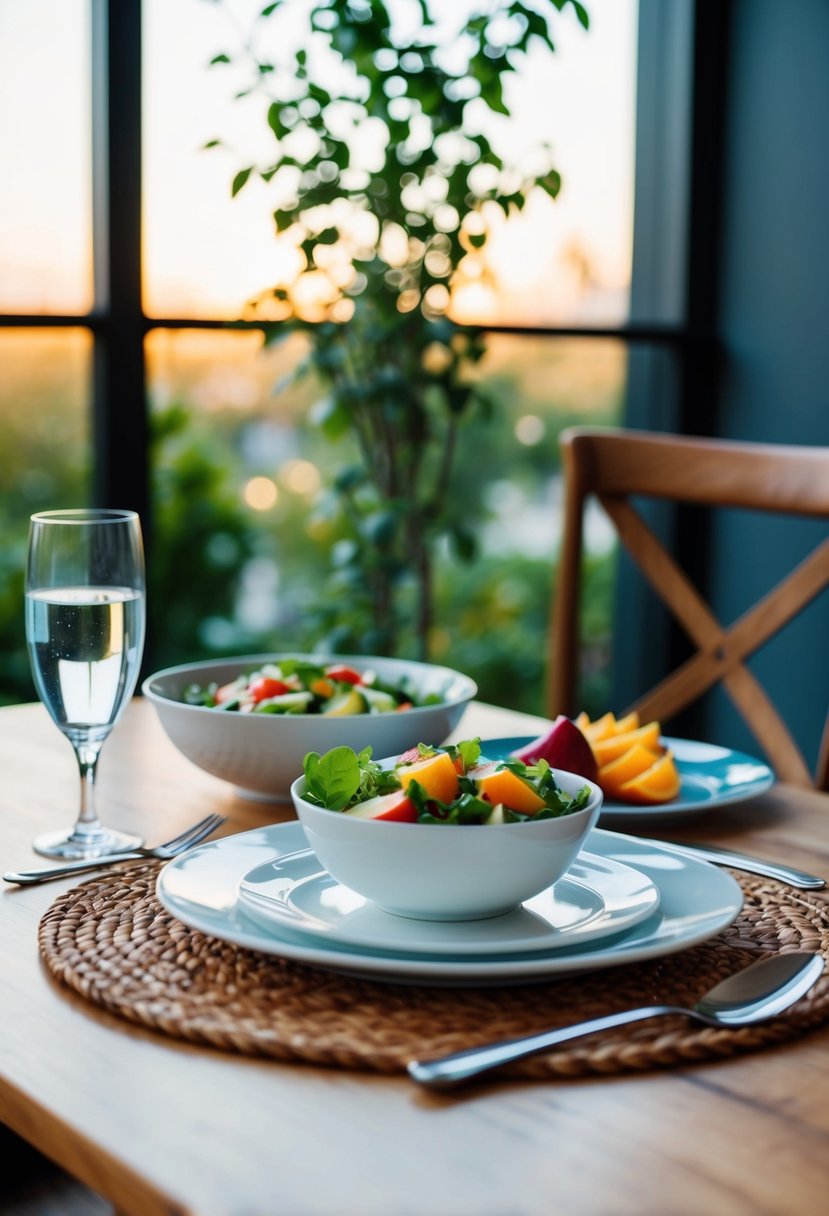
(85, 635)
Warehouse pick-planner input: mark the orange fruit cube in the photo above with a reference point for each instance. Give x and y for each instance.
(436, 775)
(500, 785)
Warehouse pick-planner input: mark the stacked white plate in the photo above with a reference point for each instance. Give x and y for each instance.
(623, 900)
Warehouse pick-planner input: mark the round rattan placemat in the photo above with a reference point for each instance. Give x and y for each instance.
(111, 941)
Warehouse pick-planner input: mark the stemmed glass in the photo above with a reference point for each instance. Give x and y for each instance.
(85, 635)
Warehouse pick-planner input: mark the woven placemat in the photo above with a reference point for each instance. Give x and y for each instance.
(111, 941)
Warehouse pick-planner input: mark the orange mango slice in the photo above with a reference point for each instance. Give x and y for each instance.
(629, 722)
(609, 749)
(658, 783)
(500, 785)
(624, 768)
(600, 729)
(436, 775)
(633, 764)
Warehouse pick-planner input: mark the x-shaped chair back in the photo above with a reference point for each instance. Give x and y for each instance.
(617, 465)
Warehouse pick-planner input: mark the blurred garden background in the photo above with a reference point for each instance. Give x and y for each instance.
(248, 550)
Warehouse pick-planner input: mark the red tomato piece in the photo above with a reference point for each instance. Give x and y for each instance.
(346, 675)
(266, 687)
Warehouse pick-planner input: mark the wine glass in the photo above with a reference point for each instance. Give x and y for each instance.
(85, 635)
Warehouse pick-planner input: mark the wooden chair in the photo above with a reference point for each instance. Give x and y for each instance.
(618, 465)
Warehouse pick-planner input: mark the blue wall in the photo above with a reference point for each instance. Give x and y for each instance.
(774, 327)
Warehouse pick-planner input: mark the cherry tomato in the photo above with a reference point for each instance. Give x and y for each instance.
(347, 675)
(266, 687)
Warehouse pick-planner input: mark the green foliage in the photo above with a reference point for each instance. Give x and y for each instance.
(202, 539)
(42, 436)
(500, 612)
(382, 179)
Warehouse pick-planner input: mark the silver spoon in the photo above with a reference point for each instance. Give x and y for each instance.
(759, 991)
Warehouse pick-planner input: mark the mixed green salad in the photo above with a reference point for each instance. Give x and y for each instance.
(298, 686)
(450, 784)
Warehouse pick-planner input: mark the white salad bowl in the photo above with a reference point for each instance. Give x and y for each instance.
(261, 754)
(448, 871)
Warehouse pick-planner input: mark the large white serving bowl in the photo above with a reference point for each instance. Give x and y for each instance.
(447, 871)
(261, 754)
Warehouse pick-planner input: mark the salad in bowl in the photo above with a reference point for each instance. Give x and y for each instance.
(251, 720)
(299, 685)
(407, 832)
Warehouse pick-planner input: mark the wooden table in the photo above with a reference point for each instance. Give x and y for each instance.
(159, 1126)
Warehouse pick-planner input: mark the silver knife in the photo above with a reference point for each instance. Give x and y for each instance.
(751, 865)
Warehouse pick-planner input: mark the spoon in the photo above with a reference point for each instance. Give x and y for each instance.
(759, 991)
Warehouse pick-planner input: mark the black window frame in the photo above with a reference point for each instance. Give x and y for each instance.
(681, 78)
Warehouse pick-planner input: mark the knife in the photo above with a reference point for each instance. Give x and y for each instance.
(751, 865)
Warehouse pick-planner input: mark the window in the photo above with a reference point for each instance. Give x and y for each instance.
(45, 150)
(557, 351)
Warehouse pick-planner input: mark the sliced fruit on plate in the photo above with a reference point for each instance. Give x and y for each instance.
(562, 746)
(658, 783)
(633, 764)
(600, 729)
(609, 749)
(628, 722)
(624, 768)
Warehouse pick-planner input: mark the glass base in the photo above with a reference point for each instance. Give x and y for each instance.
(72, 844)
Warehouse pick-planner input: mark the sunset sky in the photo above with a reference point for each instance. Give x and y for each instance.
(206, 254)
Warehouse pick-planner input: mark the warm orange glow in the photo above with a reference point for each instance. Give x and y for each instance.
(207, 255)
(45, 151)
(260, 493)
(300, 476)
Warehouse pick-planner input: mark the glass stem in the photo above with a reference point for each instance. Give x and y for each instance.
(88, 824)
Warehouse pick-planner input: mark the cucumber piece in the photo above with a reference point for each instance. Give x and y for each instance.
(496, 815)
(379, 702)
(285, 703)
(351, 702)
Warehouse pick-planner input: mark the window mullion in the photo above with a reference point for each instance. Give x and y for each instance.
(120, 413)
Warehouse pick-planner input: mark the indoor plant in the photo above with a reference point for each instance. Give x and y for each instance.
(385, 179)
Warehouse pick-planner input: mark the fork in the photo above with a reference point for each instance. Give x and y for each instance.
(751, 865)
(171, 848)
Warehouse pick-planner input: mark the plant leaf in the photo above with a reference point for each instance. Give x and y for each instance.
(240, 180)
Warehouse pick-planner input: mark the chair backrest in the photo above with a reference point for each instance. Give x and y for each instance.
(617, 465)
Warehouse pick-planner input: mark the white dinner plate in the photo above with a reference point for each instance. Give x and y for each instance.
(596, 898)
(709, 777)
(697, 900)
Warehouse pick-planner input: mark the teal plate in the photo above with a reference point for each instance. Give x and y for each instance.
(709, 777)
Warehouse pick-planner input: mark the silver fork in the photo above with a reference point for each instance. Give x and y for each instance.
(171, 848)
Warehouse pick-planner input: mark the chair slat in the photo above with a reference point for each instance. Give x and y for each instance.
(617, 465)
(764, 477)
